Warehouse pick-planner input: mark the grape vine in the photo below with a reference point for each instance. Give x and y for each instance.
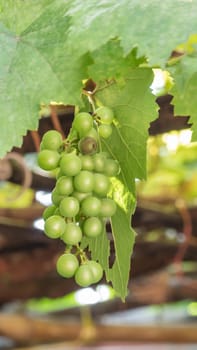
(48, 43)
(81, 198)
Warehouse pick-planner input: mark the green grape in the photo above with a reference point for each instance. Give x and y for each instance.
(83, 123)
(108, 207)
(67, 264)
(57, 212)
(69, 207)
(87, 162)
(88, 145)
(99, 162)
(64, 185)
(101, 184)
(105, 114)
(81, 195)
(54, 226)
(92, 133)
(56, 197)
(48, 159)
(42, 146)
(112, 167)
(72, 234)
(70, 164)
(52, 140)
(105, 130)
(91, 206)
(84, 181)
(97, 270)
(84, 276)
(49, 211)
(92, 227)
(59, 173)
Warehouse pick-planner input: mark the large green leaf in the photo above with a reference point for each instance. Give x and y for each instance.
(134, 107)
(155, 27)
(34, 69)
(46, 48)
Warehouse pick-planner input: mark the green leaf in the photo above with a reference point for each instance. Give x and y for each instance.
(155, 27)
(99, 248)
(110, 62)
(124, 238)
(185, 88)
(46, 49)
(17, 15)
(33, 70)
(134, 107)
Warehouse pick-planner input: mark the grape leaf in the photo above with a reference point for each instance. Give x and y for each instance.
(116, 64)
(124, 238)
(33, 70)
(134, 107)
(99, 248)
(46, 49)
(155, 27)
(185, 88)
(17, 15)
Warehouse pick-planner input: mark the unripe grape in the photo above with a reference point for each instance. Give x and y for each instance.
(84, 181)
(87, 162)
(97, 270)
(105, 114)
(92, 227)
(108, 207)
(101, 184)
(91, 206)
(48, 159)
(92, 133)
(81, 195)
(83, 123)
(52, 140)
(54, 226)
(112, 167)
(72, 234)
(64, 185)
(56, 197)
(70, 164)
(49, 211)
(99, 162)
(105, 130)
(84, 276)
(69, 207)
(67, 265)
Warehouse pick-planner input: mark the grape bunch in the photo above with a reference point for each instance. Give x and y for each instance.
(80, 202)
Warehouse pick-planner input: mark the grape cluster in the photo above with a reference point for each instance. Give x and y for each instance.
(80, 199)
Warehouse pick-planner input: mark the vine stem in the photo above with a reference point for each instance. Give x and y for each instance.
(90, 98)
(187, 231)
